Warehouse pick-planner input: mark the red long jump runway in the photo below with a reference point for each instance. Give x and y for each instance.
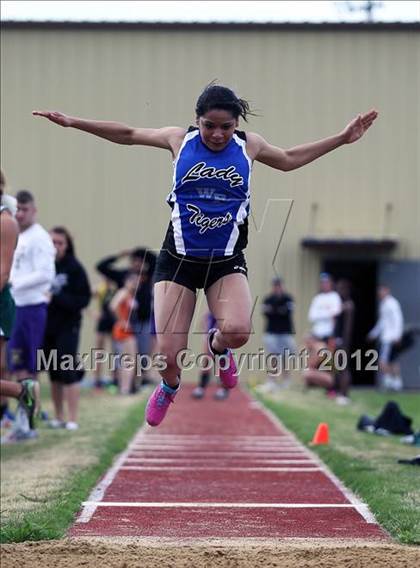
(224, 469)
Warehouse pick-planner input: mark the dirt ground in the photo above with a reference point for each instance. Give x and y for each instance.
(164, 553)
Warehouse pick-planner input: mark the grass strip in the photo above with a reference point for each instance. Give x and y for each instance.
(54, 517)
(367, 464)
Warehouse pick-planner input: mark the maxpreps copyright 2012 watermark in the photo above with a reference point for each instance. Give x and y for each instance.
(187, 360)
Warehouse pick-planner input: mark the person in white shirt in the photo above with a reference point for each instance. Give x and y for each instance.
(32, 273)
(389, 330)
(324, 309)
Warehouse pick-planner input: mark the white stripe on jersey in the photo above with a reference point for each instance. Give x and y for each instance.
(232, 241)
(242, 143)
(242, 211)
(189, 136)
(176, 223)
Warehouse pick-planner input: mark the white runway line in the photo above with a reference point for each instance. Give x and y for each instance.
(203, 440)
(211, 468)
(202, 444)
(99, 491)
(194, 465)
(212, 440)
(361, 507)
(221, 455)
(132, 504)
(223, 462)
(205, 448)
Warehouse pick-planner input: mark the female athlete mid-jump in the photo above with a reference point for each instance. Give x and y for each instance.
(207, 233)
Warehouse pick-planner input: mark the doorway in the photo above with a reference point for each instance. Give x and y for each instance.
(363, 276)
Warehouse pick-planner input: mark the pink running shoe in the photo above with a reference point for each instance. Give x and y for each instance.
(159, 403)
(229, 376)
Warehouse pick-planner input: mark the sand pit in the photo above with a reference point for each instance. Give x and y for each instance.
(246, 553)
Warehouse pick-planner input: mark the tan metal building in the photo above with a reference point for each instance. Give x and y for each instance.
(354, 212)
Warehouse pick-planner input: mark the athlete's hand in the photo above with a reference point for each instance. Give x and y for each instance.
(358, 126)
(54, 116)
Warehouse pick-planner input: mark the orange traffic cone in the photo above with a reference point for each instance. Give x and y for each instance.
(321, 435)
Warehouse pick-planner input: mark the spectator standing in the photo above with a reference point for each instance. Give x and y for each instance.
(103, 293)
(324, 309)
(27, 391)
(32, 274)
(343, 339)
(9, 236)
(278, 338)
(389, 330)
(141, 263)
(122, 305)
(70, 294)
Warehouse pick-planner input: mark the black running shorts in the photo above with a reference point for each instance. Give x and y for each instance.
(197, 274)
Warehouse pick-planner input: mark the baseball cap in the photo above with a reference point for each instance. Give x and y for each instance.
(325, 276)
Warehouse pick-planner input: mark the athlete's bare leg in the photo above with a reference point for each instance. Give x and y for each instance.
(229, 300)
(174, 309)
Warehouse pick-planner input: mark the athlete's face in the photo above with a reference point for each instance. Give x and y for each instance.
(216, 128)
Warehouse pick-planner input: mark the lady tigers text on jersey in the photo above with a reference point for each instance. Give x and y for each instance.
(209, 198)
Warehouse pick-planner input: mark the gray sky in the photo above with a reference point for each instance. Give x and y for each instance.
(257, 11)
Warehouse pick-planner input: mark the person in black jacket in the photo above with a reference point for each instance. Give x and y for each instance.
(70, 294)
(279, 343)
(141, 262)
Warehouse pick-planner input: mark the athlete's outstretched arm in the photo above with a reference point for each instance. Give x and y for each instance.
(116, 131)
(298, 156)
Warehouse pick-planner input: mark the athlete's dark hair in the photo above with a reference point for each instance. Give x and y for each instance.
(218, 97)
(65, 233)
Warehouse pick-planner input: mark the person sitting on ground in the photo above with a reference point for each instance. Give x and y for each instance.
(319, 371)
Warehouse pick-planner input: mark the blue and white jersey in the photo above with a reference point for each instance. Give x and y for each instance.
(209, 198)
